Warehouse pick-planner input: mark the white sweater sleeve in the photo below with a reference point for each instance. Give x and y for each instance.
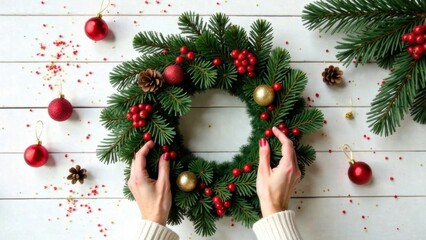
(149, 230)
(279, 226)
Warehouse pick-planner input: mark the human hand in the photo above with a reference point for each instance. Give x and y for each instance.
(153, 197)
(275, 186)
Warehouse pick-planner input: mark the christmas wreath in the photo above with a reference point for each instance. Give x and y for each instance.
(392, 33)
(154, 90)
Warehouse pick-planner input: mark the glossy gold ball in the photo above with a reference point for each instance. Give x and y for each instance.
(186, 181)
(264, 95)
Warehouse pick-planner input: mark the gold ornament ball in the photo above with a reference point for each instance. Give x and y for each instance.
(263, 95)
(186, 181)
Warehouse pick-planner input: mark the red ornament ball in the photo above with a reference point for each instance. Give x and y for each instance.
(36, 155)
(173, 74)
(96, 28)
(247, 168)
(360, 173)
(60, 109)
(231, 187)
(236, 172)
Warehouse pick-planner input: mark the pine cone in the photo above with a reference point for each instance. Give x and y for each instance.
(332, 75)
(150, 80)
(77, 174)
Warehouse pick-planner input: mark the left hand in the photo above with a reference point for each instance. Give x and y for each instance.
(153, 197)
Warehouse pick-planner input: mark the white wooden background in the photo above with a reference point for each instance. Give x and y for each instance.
(39, 203)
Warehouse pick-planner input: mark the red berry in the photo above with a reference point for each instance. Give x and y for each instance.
(184, 50)
(251, 74)
(420, 39)
(250, 55)
(410, 38)
(143, 114)
(165, 51)
(264, 116)
(202, 185)
(250, 68)
(231, 187)
(216, 199)
(190, 56)
(285, 131)
(147, 136)
(404, 37)
(141, 106)
(208, 192)
(253, 61)
(247, 168)
(179, 60)
(242, 57)
(218, 205)
(237, 63)
(227, 204)
(424, 48)
(235, 53)
(282, 126)
(136, 117)
(418, 50)
(417, 56)
(245, 52)
(269, 133)
(277, 87)
(148, 108)
(220, 212)
(165, 148)
(173, 154)
(217, 61)
(295, 131)
(142, 123)
(418, 30)
(410, 50)
(134, 109)
(135, 124)
(241, 69)
(129, 115)
(244, 62)
(236, 172)
(271, 108)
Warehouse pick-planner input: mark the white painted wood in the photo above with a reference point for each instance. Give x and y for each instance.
(26, 205)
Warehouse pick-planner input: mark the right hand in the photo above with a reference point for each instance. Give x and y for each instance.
(275, 186)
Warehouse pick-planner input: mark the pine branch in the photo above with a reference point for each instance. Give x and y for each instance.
(150, 42)
(236, 38)
(110, 119)
(129, 97)
(226, 76)
(244, 212)
(355, 15)
(418, 109)
(246, 184)
(218, 24)
(220, 188)
(305, 157)
(191, 24)
(397, 94)
(160, 130)
(261, 40)
(202, 169)
(308, 121)
(186, 200)
(278, 66)
(175, 215)
(202, 73)
(175, 101)
(203, 219)
(109, 147)
(208, 46)
(126, 191)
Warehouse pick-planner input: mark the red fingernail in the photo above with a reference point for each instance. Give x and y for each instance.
(262, 142)
(166, 156)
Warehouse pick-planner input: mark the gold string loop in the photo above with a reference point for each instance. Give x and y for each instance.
(101, 10)
(39, 130)
(348, 152)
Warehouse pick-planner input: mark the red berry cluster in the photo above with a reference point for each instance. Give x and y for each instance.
(416, 41)
(166, 149)
(244, 61)
(139, 113)
(184, 53)
(283, 128)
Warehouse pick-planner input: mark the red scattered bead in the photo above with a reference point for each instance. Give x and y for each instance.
(344, 212)
(391, 178)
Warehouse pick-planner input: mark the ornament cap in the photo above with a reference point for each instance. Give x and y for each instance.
(99, 15)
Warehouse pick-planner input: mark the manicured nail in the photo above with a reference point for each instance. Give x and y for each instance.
(166, 156)
(262, 142)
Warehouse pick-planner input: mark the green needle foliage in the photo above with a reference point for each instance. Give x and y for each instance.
(214, 38)
(373, 33)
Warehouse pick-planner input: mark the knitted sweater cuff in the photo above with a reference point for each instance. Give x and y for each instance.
(279, 226)
(149, 230)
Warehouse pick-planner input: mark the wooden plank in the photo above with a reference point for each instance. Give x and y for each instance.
(391, 176)
(303, 44)
(205, 129)
(134, 7)
(317, 218)
(40, 83)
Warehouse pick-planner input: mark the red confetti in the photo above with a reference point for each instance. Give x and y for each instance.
(400, 158)
(344, 212)
(350, 201)
(327, 51)
(391, 178)
(28, 125)
(363, 217)
(330, 151)
(395, 196)
(316, 94)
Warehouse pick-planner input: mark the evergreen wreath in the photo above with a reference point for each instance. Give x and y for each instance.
(392, 33)
(208, 55)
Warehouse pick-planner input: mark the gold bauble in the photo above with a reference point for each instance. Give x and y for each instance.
(263, 95)
(186, 181)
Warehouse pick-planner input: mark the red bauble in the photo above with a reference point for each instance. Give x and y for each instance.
(360, 172)
(231, 187)
(236, 172)
(173, 74)
(208, 192)
(269, 133)
(96, 28)
(36, 155)
(60, 109)
(147, 136)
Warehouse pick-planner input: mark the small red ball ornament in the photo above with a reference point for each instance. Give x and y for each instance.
(96, 28)
(60, 109)
(360, 172)
(173, 74)
(36, 155)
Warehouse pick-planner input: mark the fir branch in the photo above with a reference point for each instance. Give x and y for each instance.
(220, 188)
(126, 191)
(218, 24)
(261, 40)
(278, 66)
(175, 215)
(203, 219)
(202, 73)
(305, 157)
(160, 130)
(191, 24)
(110, 119)
(308, 121)
(226, 76)
(208, 46)
(129, 97)
(397, 94)
(246, 184)
(243, 212)
(236, 38)
(150, 42)
(109, 147)
(186, 200)
(202, 169)
(418, 109)
(175, 101)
